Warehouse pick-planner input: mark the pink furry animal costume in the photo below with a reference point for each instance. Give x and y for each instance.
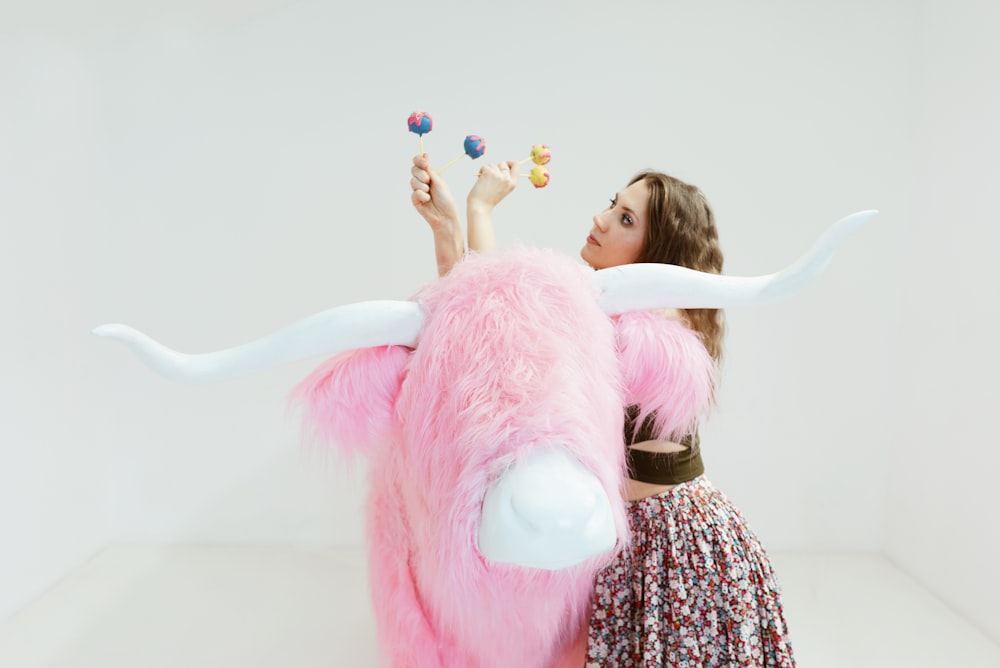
(515, 355)
(508, 360)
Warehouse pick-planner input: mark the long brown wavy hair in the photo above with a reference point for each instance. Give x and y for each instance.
(681, 230)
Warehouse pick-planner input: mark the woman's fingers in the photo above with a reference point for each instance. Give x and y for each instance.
(422, 161)
(508, 171)
(418, 185)
(420, 174)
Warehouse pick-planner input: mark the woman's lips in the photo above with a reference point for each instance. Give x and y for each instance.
(591, 240)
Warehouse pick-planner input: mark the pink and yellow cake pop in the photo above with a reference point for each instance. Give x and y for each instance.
(540, 154)
(539, 176)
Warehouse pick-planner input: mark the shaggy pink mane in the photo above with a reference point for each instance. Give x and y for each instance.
(350, 399)
(667, 370)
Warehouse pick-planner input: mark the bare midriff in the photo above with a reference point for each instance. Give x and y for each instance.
(636, 489)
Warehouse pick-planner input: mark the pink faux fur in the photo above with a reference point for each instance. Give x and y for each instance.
(514, 355)
(666, 369)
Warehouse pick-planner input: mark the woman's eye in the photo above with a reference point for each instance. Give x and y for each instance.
(613, 201)
(627, 219)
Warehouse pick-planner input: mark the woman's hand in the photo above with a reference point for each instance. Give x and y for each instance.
(494, 183)
(432, 199)
(431, 196)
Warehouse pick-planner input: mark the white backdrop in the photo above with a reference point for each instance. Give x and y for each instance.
(211, 171)
(943, 494)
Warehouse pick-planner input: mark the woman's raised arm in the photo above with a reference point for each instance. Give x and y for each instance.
(432, 199)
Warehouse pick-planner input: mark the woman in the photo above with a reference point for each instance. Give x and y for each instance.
(695, 587)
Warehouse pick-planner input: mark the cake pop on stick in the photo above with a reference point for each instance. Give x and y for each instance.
(475, 146)
(540, 155)
(421, 123)
(539, 176)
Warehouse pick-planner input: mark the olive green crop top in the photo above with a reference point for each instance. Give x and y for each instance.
(666, 468)
(659, 468)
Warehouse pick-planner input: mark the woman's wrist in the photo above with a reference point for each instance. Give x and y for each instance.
(447, 225)
(481, 236)
(479, 207)
(449, 246)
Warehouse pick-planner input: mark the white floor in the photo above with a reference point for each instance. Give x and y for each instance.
(144, 607)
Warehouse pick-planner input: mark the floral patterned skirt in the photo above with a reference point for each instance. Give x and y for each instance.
(694, 590)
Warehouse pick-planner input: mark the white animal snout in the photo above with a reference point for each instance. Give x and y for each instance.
(547, 512)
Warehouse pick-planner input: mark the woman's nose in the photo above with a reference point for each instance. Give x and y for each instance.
(599, 223)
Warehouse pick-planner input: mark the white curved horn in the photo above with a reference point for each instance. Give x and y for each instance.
(361, 325)
(649, 286)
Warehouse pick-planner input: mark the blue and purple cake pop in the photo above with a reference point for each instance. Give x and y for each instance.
(475, 147)
(420, 123)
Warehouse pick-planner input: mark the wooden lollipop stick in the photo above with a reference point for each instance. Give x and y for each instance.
(474, 146)
(480, 173)
(523, 176)
(441, 171)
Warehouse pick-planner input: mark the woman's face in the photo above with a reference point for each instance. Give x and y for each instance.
(619, 231)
